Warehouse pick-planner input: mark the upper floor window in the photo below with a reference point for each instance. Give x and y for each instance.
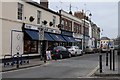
(38, 16)
(63, 23)
(20, 11)
(54, 21)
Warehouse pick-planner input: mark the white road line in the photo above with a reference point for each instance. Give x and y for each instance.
(93, 71)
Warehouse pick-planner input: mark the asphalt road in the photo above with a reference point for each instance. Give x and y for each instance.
(75, 67)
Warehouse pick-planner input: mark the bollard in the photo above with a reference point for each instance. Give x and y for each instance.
(107, 58)
(113, 60)
(17, 63)
(100, 63)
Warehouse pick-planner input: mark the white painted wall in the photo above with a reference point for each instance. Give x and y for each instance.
(0, 29)
(9, 21)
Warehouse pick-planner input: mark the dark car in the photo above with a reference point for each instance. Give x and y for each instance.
(60, 52)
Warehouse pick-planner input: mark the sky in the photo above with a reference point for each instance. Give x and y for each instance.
(104, 13)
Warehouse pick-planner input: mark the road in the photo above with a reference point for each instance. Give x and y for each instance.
(75, 67)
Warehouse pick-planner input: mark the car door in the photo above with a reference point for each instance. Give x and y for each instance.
(79, 50)
(76, 48)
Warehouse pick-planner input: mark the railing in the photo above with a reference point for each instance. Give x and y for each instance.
(16, 59)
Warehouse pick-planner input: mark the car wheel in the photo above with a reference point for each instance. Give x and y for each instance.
(61, 56)
(81, 53)
(75, 53)
(69, 55)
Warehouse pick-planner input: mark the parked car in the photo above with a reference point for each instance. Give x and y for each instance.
(60, 52)
(74, 50)
(89, 49)
(116, 47)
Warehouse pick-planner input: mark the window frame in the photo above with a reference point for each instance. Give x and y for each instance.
(54, 21)
(20, 11)
(38, 16)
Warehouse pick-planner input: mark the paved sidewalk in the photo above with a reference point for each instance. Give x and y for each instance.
(32, 63)
(106, 72)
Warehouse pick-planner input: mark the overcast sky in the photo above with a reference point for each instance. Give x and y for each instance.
(104, 13)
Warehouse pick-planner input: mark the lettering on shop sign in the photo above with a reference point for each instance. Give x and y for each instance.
(31, 27)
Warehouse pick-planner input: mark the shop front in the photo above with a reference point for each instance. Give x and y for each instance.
(58, 39)
(68, 36)
(31, 40)
(78, 39)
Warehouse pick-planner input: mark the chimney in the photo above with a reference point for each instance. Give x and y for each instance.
(79, 15)
(44, 3)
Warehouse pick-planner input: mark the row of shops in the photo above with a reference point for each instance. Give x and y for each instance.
(32, 40)
(35, 28)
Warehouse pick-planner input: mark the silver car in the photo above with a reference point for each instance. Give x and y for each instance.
(74, 50)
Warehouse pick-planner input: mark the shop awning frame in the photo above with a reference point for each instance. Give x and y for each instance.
(69, 39)
(47, 37)
(57, 37)
(34, 34)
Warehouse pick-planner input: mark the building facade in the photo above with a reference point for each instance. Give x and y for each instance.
(25, 26)
(30, 28)
(71, 27)
(92, 39)
(104, 43)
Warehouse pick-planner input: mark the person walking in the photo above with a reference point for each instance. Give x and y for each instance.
(48, 54)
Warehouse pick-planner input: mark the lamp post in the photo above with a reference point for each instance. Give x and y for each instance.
(84, 27)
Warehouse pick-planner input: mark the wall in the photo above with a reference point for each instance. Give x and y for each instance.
(6, 39)
(9, 21)
(30, 10)
(0, 30)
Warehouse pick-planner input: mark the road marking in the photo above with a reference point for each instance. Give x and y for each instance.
(93, 71)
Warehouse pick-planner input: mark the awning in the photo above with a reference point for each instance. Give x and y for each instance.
(57, 37)
(33, 34)
(47, 37)
(69, 39)
(78, 39)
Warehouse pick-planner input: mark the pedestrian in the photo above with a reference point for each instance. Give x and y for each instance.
(48, 54)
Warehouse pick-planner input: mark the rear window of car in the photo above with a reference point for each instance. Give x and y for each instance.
(60, 48)
(68, 47)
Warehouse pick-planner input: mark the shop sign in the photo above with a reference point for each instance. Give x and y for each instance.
(27, 26)
(66, 33)
(52, 30)
(78, 40)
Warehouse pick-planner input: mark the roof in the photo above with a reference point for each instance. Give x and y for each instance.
(105, 38)
(39, 6)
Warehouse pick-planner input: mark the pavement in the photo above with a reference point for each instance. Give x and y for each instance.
(106, 72)
(32, 63)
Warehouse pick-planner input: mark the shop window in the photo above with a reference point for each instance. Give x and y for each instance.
(30, 46)
(20, 11)
(63, 23)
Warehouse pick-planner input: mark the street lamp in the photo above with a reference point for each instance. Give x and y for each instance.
(84, 26)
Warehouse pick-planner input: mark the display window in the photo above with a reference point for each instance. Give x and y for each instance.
(30, 46)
